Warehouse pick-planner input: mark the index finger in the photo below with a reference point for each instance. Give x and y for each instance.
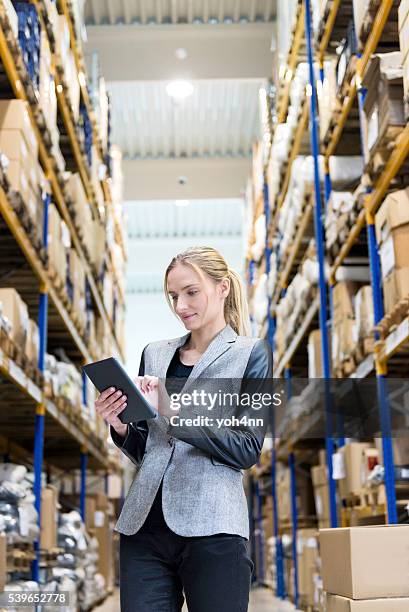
(105, 394)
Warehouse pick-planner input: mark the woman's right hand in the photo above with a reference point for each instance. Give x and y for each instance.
(109, 405)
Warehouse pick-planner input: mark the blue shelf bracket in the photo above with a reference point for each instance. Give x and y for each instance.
(294, 519)
(83, 484)
(279, 556)
(319, 240)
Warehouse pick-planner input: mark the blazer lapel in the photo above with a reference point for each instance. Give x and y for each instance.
(219, 345)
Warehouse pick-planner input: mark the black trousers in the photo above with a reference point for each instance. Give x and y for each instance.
(159, 568)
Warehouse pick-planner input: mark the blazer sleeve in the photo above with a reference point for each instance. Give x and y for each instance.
(134, 443)
(238, 447)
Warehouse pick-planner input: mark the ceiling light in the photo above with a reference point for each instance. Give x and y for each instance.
(181, 53)
(182, 202)
(179, 90)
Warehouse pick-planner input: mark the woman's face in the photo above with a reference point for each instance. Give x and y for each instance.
(196, 300)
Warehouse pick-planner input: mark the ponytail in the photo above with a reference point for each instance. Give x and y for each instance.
(209, 261)
(236, 310)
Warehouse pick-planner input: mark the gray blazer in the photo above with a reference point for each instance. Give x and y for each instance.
(202, 475)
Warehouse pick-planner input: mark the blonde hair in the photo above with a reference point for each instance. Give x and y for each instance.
(209, 261)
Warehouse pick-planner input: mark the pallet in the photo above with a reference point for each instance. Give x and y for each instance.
(345, 368)
(381, 153)
(364, 347)
(392, 319)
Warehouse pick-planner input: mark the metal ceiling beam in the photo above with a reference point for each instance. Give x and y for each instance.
(159, 179)
(132, 53)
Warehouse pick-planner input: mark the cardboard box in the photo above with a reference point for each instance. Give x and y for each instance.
(314, 354)
(319, 475)
(403, 24)
(49, 517)
(3, 561)
(343, 300)
(13, 307)
(393, 213)
(14, 116)
(395, 287)
(352, 454)
(90, 509)
(47, 93)
(56, 247)
(18, 178)
(343, 341)
(336, 603)
(33, 342)
(400, 450)
(307, 556)
(383, 106)
(105, 556)
(363, 311)
(366, 562)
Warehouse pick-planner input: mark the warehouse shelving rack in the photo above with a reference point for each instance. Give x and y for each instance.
(69, 124)
(13, 66)
(65, 9)
(66, 445)
(393, 345)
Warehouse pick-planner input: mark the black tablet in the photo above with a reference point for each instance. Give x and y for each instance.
(109, 373)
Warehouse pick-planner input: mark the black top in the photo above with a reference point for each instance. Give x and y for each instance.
(176, 376)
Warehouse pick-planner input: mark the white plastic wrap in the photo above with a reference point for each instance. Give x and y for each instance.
(345, 170)
(12, 472)
(260, 300)
(258, 248)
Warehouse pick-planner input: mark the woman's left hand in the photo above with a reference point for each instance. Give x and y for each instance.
(155, 393)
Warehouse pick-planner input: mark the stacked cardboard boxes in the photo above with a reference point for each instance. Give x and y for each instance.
(15, 310)
(403, 17)
(308, 565)
(32, 343)
(351, 481)
(343, 322)
(49, 517)
(98, 514)
(383, 106)
(58, 243)
(366, 568)
(319, 475)
(392, 233)
(66, 59)
(18, 142)
(363, 335)
(76, 284)
(47, 95)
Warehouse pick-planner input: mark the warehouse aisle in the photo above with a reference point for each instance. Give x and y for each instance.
(261, 600)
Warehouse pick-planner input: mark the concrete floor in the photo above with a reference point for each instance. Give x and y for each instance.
(261, 600)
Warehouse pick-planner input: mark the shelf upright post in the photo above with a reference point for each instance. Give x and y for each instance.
(260, 534)
(83, 486)
(381, 368)
(293, 488)
(40, 409)
(319, 239)
(279, 557)
(381, 371)
(280, 585)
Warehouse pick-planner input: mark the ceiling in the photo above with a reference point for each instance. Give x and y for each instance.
(152, 12)
(219, 119)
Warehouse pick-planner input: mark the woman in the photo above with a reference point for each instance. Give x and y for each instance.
(184, 524)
